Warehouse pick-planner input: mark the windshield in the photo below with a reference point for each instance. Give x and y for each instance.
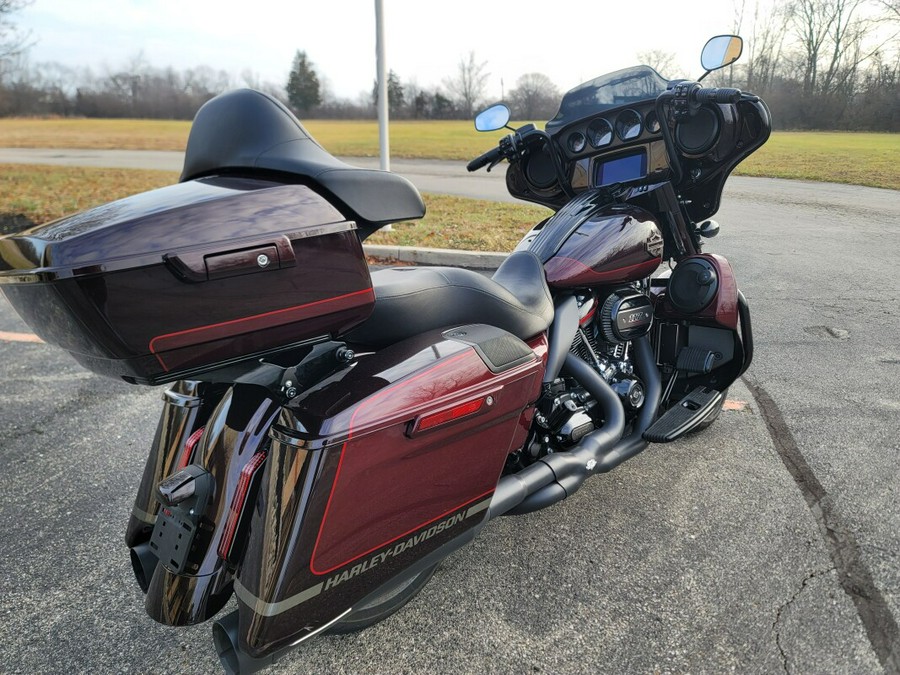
(638, 83)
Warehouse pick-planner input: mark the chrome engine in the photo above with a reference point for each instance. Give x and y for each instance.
(565, 411)
(604, 339)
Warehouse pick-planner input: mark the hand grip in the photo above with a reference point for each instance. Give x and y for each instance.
(718, 95)
(489, 157)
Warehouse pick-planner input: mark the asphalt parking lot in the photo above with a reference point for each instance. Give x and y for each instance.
(767, 544)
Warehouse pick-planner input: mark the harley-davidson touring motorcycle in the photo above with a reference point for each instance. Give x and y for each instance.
(332, 434)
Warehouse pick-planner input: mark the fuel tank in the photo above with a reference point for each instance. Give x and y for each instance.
(593, 242)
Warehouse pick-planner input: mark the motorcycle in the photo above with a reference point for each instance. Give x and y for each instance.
(332, 434)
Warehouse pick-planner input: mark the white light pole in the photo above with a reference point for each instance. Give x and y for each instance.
(384, 146)
(381, 67)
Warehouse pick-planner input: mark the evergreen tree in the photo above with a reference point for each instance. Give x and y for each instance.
(396, 97)
(303, 90)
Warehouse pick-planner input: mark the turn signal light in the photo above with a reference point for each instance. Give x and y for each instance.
(454, 413)
(248, 473)
(189, 448)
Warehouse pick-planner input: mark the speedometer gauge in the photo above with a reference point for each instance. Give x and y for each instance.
(628, 125)
(576, 142)
(652, 122)
(599, 133)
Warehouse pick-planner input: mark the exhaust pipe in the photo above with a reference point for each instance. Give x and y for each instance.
(559, 475)
(236, 661)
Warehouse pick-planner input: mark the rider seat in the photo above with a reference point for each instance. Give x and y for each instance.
(248, 130)
(412, 300)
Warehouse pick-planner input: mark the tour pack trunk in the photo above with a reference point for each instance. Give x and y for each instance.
(188, 278)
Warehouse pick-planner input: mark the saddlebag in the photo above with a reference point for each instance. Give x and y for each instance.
(381, 469)
(191, 277)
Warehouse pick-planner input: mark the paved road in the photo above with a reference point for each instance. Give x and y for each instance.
(769, 543)
(428, 175)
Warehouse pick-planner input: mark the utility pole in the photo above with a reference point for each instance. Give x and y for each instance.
(384, 145)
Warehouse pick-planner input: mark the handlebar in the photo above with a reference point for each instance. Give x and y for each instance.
(492, 156)
(717, 95)
(687, 97)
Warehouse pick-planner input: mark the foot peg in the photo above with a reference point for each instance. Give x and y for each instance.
(695, 361)
(684, 416)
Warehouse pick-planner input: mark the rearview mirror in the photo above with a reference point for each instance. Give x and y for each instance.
(493, 118)
(721, 51)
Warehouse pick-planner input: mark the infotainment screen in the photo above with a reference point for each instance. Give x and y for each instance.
(622, 168)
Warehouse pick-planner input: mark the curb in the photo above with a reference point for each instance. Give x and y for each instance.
(479, 260)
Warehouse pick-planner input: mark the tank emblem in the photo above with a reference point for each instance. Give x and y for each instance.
(654, 243)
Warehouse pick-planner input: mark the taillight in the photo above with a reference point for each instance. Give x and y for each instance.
(189, 446)
(236, 520)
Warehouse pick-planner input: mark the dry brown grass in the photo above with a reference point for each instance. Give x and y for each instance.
(839, 157)
(44, 193)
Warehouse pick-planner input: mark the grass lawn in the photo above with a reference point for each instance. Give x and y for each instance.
(836, 157)
(839, 157)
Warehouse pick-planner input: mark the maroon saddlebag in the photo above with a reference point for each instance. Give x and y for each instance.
(188, 278)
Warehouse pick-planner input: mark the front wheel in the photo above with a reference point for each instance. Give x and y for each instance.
(384, 604)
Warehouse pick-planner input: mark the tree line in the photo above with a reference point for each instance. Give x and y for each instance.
(819, 64)
(822, 64)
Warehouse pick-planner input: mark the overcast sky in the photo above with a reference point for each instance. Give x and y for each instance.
(568, 40)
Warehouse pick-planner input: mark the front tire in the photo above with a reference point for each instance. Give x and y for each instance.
(384, 604)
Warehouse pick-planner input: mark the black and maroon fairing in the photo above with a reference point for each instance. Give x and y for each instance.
(187, 278)
(369, 473)
(720, 327)
(722, 311)
(593, 242)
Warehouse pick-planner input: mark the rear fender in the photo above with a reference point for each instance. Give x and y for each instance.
(186, 408)
(236, 431)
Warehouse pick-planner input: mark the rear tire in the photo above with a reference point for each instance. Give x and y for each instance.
(383, 605)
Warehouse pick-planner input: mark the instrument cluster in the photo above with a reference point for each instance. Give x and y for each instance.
(618, 145)
(610, 130)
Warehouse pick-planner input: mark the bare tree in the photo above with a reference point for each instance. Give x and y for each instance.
(661, 61)
(12, 40)
(892, 6)
(534, 97)
(765, 45)
(830, 35)
(467, 88)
